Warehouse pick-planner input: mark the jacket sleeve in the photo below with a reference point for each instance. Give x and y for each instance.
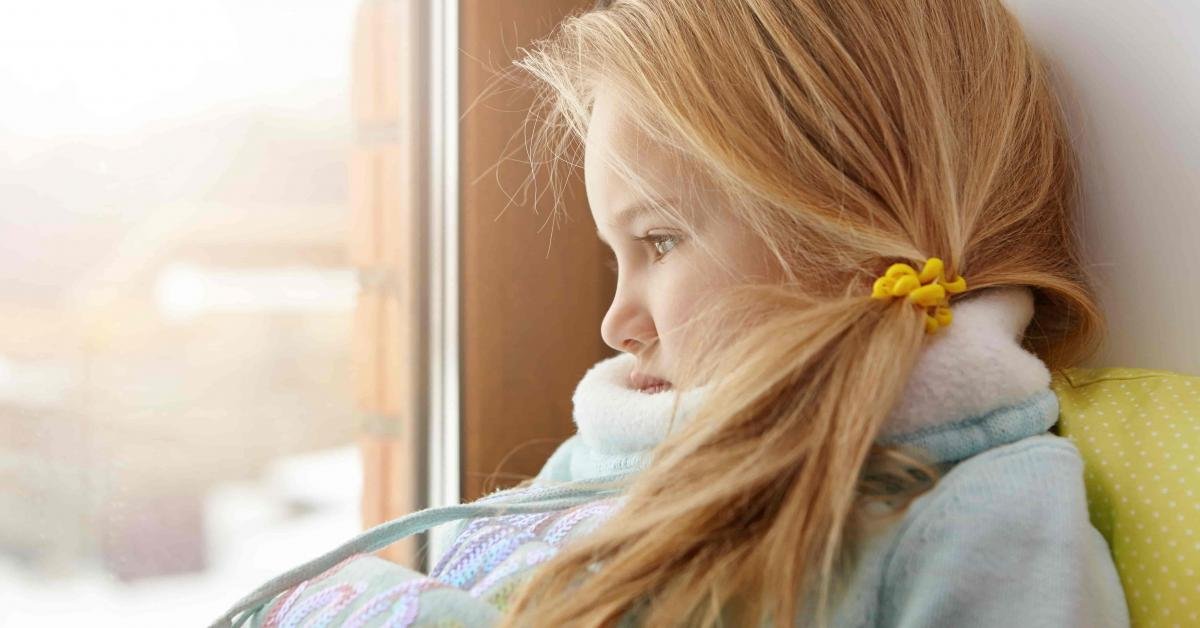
(370, 591)
(1005, 541)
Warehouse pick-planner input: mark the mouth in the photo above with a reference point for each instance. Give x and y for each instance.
(648, 384)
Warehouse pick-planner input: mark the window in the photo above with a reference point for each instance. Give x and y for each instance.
(177, 381)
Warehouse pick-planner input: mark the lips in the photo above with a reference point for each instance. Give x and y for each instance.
(647, 383)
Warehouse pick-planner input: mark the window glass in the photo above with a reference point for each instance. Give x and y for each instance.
(176, 408)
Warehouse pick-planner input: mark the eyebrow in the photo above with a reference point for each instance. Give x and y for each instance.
(627, 215)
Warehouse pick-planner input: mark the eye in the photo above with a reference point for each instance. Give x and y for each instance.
(662, 243)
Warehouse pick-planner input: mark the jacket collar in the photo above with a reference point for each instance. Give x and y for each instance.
(973, 387)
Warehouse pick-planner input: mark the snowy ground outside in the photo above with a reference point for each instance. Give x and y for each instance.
(251, 538)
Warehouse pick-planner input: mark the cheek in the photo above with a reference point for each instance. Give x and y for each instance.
(684, 291)
(678, 299)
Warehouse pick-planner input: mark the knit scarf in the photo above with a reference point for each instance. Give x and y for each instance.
(967, 370)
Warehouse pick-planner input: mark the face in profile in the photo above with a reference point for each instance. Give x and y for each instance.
(665, 264)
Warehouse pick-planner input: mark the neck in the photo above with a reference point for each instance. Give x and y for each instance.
(970, 368)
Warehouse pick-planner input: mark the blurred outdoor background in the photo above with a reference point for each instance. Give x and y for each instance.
(176, 303)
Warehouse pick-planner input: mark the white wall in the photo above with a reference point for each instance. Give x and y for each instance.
(1129, 71)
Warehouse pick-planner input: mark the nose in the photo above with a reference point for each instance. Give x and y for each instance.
(627, 326)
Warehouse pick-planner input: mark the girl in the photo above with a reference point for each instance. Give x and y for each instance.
(842, 234)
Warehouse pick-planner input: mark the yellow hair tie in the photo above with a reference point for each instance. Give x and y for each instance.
(928, 289)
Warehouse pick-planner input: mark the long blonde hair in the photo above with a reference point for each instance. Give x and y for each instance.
(847, 135)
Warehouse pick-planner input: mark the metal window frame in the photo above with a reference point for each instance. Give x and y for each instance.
(443, 460)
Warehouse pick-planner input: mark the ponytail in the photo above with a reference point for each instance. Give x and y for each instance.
(751, 500)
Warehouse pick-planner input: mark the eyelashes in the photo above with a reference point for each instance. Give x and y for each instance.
(656, 242)
(659, 238)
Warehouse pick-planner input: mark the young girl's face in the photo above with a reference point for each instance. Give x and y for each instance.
(662, 272)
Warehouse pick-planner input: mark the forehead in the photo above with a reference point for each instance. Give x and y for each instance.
(613, 140)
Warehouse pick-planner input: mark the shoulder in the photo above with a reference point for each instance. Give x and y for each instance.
(1003, 537)
(1038, 470)
(1029, 488)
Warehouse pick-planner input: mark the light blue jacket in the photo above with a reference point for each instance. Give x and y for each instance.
(1003, 540)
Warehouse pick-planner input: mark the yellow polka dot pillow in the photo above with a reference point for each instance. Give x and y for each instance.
(1138, 431)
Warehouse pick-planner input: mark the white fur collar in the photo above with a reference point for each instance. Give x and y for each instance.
(975, 365)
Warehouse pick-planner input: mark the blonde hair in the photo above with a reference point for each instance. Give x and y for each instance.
(847, 136)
